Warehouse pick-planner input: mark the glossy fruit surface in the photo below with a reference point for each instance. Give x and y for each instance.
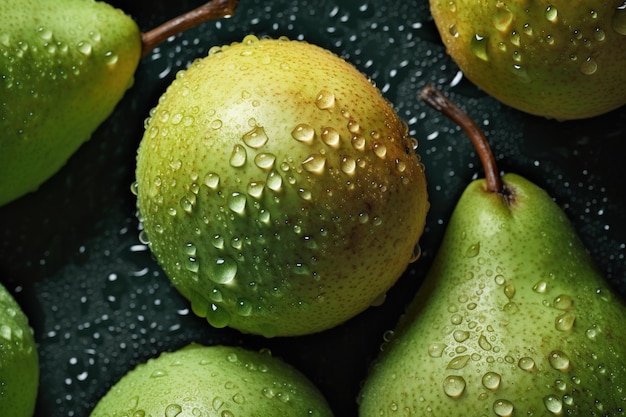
(201, 380)
(278, 189)
(19, 362)
(559, 59)
(62, 73)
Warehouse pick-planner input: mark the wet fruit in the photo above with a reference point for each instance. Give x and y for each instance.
(278, 189)
(213, 381)
(559, 59)
(19, 362)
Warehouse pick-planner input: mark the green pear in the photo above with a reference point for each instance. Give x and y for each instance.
(19, 361)
(278, 189)
(513, 318)
(216, 380)
(64, 66)
(560, 59)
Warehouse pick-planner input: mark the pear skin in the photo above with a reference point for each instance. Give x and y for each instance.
(278, 188)
(513, 317)
(560, 59)
(63, 72)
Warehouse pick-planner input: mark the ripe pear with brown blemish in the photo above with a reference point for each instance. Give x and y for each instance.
(64, 67)
(559, 59)
(278, 189)
(513, 318)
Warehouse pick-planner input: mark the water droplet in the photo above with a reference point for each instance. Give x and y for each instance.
(315, 163)
(491, 380)
(454, 386)
(303, 133)
(458, 362)
(502, 17)
(84, 48)
(238, 157)
(509, 290)
(274, 181)
(618, 21)
(237, 202)
(456, 319)
(515, 38)
(218, 316)
(348, 165)
(435, 350)
(589, 66)
(255, 138)
(212, 180)
(452, 29)
(499, 279)
(503, 408)
(565, 322)
(526, 363)
(358, 142)
(325, 100)
(484, 343)
(553, 404)
(563, 302)
(173, 410)
(552, 14)
(540, 287)
(559, 360)
(223, 270)
(331, 137)
(460, 335)
(478, 45)
(599, 34)
(244, 307)
(380, 150)
(216, 124)
(473, 250)
(353, 126)
(255, 189)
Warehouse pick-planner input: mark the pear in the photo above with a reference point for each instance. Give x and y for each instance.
(215, 380)
(558, 59)
(278, 189)
(513, 318)
(64, 66)
(19, 361)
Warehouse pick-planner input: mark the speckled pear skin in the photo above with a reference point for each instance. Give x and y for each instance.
(19, 360)
(216, 380)
(512, 320)
(278, 189)
(560, 59)
(64, 65)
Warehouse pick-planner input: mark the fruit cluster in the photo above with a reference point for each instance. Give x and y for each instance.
(282, 195)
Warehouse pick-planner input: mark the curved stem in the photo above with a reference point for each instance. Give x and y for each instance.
(440, 102)
(215, 9)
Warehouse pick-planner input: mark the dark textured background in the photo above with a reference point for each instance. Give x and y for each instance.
(100, 304)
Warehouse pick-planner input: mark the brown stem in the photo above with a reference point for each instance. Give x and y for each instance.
(215, 9)
(437, 100)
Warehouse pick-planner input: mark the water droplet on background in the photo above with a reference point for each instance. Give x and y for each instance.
(325, 100)
(454, 386)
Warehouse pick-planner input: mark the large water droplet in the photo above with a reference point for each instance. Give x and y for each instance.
(526, 363)
(274, 181)
(589, 66)
(435, 350)
(460, 335)
(618, 21)
(238, 157)
(265, 161)
(255, 138)
(255, 189)
(553, 404)
(565, 322)
(559, 360)
(325, 100)
(331, 137)
(358, 142)
(484, 343)
(454, 386)
(303, 133)
(473, 250)
(223, 270)
(491, 380)
(173, 410)
(84, 48)
(563, 302)
(380, 150)
(315, 163)
(237, 203)
(478, 45)
(348, 165)
(218, 316)
(503, 408)
(458, 362)
(502, 17)
(212, 180)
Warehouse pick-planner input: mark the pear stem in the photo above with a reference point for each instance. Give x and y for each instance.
(437, 100)
(214, 9)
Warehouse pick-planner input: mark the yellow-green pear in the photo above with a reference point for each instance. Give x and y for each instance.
(513, 318)
(278, 189)
(216, 380)
(560, 59)
(19, 361)
(64, 66)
